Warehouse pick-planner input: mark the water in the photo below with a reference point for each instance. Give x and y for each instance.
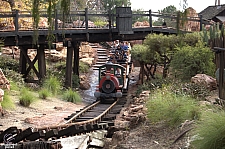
(88, 95)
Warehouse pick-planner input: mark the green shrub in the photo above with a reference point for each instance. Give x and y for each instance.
(152, 85)
(71, 96)
(44, 93)
(210, 131)
(191, 89)
(26, 97)
(7, 103)
(14, 77)
(75, 81)
(9, 63)
(83, 67)
(52, 84)
(189, 61)
(164, 105)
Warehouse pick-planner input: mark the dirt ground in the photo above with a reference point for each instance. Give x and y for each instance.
(51, 111)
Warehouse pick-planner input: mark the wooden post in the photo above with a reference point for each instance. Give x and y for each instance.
(68, 81)
(41, 61)
(22, 62)
(221, 76)
(76, 47)
(150, 18)
(16, 23)
(86, 23)
(56, 20)
(200, 22)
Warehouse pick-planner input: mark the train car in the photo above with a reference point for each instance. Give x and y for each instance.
(113, 80)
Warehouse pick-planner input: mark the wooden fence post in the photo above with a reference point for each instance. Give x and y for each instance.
(200, 22)
(150, 18)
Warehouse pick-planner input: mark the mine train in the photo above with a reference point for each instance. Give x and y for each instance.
(113, 78)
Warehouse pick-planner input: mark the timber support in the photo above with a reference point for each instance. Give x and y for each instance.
(25, 59)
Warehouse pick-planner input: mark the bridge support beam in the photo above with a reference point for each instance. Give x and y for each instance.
(76, 46)
(41, 61)
(69, 60)
(24, 60)
(72, 50)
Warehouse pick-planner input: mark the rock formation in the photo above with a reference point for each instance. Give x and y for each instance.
(4, 82)
(205, 80)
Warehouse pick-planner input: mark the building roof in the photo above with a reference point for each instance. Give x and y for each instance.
(212, 11)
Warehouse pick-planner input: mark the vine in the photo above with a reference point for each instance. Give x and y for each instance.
(36, 19)
(51, 9)
(65, 8)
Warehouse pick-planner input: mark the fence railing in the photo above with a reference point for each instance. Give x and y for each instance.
(23, 21)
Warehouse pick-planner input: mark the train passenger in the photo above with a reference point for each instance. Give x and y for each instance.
(124, 46)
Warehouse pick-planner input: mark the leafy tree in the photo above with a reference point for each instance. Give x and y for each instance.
(139, 18)
(112, 4)
(189, 61)
(168, 11)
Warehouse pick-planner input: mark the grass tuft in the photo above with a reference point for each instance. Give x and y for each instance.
(210, 131)
(53, 85)
(164, 105)
(71, 96)
(44, 93)
(7, 103)
(26, 97)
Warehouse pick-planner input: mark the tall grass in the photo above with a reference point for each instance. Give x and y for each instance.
(44, 93)
(173, 109)
(26, 97)
(7, 103)
(71, 96)
(52, 84)
(210, 131)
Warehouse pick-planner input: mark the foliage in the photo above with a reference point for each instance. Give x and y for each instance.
(209, 131)
(26, 97)
(139, 53)
(190, 89)
(111, 5)
(100, 23)
(52, 84)
(9, 63)
(166, 106)
(75, 81)
(14, 77)
(168, 11)
(83, 67)
(189, 61)
(7, 103)
(139, 18)
(71, 96)
(153, 85)
(44, 93)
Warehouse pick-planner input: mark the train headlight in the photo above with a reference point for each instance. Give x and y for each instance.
(107, 77)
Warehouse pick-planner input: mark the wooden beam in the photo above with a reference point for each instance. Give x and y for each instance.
(69, 59)
(76, 47)
(22, 62)
(41, 61)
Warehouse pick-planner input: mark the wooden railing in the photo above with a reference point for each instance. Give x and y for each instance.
(22, 20)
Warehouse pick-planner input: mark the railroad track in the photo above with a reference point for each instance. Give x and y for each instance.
(93, 117)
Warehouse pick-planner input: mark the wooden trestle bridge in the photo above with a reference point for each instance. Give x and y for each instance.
(119, 26)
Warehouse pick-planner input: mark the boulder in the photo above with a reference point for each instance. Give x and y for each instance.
(205, 80)
(4, 82)
(84, 85)
(88, 61)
